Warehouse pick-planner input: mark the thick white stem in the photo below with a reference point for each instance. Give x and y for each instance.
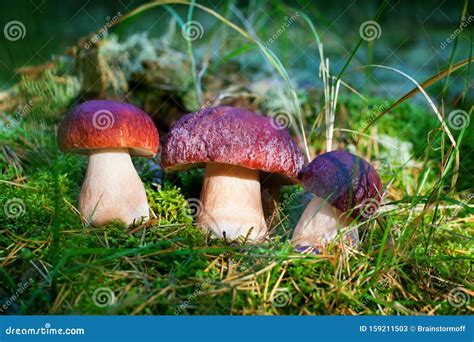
(112, 189)
(232, 203)
(320, 223)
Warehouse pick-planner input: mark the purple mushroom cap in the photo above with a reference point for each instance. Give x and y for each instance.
(346, 181)
(233, 136)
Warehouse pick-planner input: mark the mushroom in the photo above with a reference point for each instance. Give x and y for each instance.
(345, 187)
(109, 132)
(234, 145)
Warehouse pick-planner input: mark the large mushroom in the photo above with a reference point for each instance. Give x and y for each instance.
(109, 132)
(345, 187)
(234, 145)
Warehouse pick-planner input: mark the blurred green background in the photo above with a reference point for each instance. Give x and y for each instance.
(411, 37)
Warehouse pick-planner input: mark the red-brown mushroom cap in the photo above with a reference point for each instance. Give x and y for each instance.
(234, 136)
(100, 124)
(346, 181)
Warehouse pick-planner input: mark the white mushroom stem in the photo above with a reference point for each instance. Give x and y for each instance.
(112, 189)
(232, 203)
(321, 223)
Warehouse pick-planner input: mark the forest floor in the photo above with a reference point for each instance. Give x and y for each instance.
(415, 256)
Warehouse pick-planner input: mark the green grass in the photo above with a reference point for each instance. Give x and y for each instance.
(415, 258)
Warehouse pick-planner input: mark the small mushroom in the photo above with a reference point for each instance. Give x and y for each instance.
(345, 187)
(109, 132)
(234, 145)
